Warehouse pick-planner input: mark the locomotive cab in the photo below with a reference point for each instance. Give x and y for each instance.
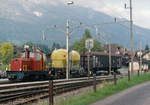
(30, 66)
(29, 61)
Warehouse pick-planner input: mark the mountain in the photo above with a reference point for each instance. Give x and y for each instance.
(26, 23)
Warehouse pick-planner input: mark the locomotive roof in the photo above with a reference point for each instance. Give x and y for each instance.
(99, 53)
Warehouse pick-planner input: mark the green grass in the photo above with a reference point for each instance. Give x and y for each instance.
(108, 90)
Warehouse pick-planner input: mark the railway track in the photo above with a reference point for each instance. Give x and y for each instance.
(22, 93)
(4, 81)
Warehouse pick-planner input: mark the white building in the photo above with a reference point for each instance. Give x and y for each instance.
(136, 65)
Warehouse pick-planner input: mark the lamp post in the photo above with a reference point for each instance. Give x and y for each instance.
(70, 2)
(67, 44)
(67, 32)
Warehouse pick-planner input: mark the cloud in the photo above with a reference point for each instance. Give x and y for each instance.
(112, 10)
(9, 10)
(141, 18)
(115, 8)
(37, 2)
(141, 9)
(17, 13)
(37, 13)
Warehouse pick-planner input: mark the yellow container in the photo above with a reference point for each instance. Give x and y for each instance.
(59, 58)
(74, 58)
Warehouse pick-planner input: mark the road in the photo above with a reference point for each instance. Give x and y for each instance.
(137, 95)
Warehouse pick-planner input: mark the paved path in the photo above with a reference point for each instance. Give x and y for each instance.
(137, 95)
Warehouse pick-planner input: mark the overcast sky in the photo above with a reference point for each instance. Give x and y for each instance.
(141, 8)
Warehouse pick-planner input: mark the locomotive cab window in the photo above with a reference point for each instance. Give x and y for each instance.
(23, 55)
(38, 56)
(31, 54)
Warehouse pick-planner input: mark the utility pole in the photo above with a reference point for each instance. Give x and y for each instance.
(109, 58)
(67, 43)
(89, 62)
(140, 65)
(67, 48)
(43, 35)
(131, 37)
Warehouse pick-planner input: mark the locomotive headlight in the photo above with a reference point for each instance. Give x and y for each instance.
(49, 72)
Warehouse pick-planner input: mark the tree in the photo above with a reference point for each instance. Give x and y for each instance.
(55, 46)
(44, 48)
(147, 47)
(30, 44)
(6, 52)
(16, 55)
(87, 34)
(80, 44)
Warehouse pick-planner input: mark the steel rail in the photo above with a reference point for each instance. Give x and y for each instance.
(18, 91)
(21, 84)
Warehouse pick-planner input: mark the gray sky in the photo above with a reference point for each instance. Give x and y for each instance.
(141, 8)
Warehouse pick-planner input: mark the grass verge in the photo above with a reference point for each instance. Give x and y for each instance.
(108, 90)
